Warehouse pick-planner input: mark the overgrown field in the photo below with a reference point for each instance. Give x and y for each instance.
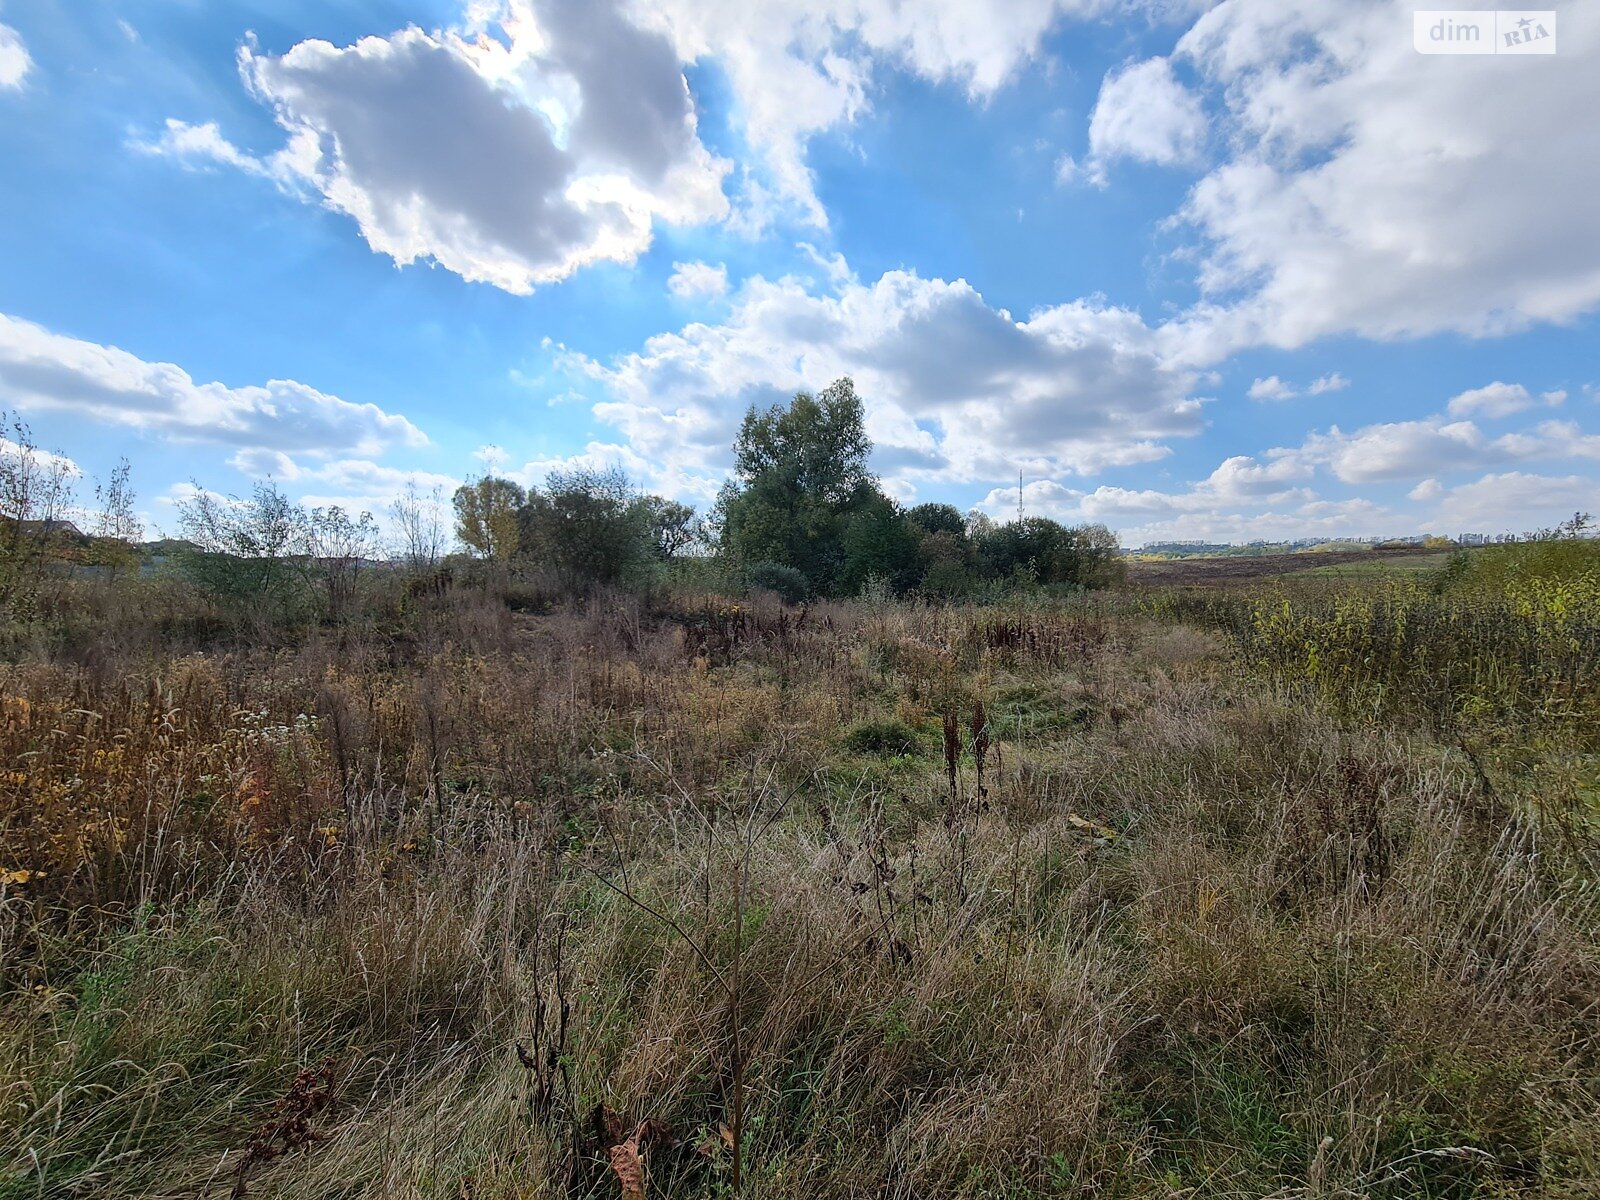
(1283, 892)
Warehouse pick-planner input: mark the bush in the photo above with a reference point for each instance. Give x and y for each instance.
(882, 737)
(1517, 656)
(788, 582)
(592, 527)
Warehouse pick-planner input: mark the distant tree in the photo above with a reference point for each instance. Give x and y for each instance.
(1045, 551)
(1098, 554)
(271, 555)
(419, 526)
(816, 445)
(487, 521)
(672, 526)
(879, 544)
(945, 564)
(117, 527)
(938, 518)
(591, 526)
(945, 560)
(339, 545)
(254, 550)
(1578, 525)
(800, 474)
(35, 494)
(979, 526)
(1025, 549)
(117, 518)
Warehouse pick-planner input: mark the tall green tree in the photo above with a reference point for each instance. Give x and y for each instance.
(1099, 557)
(800, 475)
(938, 518)
(946, 563)
(673, 528)
(880, 544)
(590, 526)
(816, 445)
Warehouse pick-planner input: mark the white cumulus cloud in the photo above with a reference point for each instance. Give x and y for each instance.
(15, 62)
(800, 67)
(1514, 502)
(1437, 445)
(40, 369)
(1272, 388)
(1146, 114)
(1500, 400)
(1368, 189)
(697, 279)
(1284, 492)
(513, 150)
(199, 146)
(1204, 512)
(955, 389)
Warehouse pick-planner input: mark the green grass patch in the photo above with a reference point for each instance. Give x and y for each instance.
(885, 738)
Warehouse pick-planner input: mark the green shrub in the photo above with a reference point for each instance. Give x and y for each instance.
(882, 737)
(788, 582)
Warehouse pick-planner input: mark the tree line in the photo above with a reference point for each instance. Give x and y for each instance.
(802, 515)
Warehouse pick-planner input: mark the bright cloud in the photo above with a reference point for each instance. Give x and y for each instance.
(1271, 388)
(1371, 191)
(1144, 113)
(1405, 450)
(1200, 513)
(512, 151)
(354, 484)
(799, 67)
(697, 279)
(41, 370)
(45, 460)
(1280, 494)
(1500, 400)
(14, 60)
(199, 146)
(1514, 502)
(955, 389)
(358, 485)
(1274, 388)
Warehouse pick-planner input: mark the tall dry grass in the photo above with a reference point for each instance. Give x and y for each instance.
(871, 899)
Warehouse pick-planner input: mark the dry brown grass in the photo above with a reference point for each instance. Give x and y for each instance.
(1190, 939)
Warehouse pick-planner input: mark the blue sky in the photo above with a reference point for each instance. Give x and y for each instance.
(1195, 270)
